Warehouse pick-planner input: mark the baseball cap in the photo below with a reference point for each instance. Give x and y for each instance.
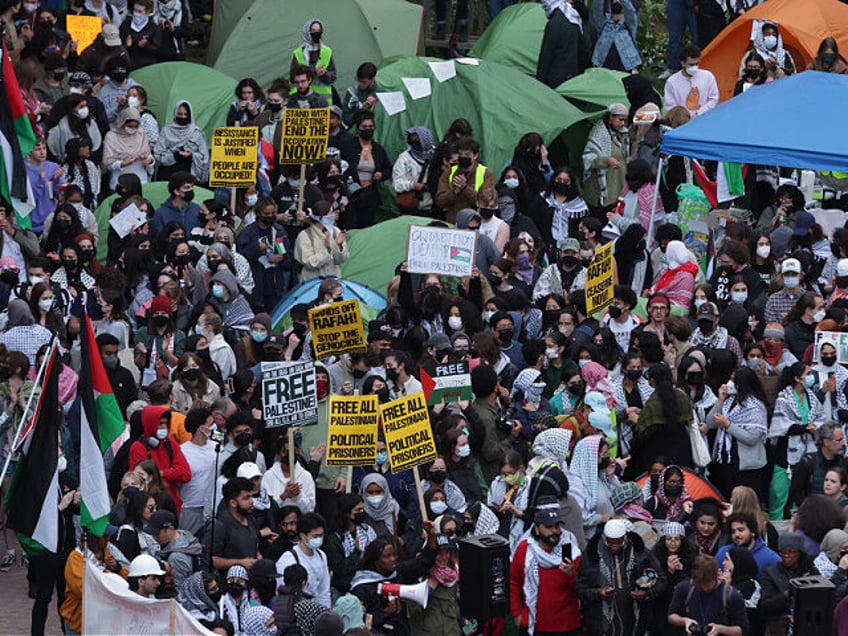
(547, 517)
(439, 341)
(444, 541)
(842, 267)
(336, 110)
(248, 470)
(707, 310)
(160, 520)
(379, 330)
(111, 36)
(790, 265)
(570, 244)
(803, 222)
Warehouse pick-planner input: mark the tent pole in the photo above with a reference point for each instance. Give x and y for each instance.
(650, 240)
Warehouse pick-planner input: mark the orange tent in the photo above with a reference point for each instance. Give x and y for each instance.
(803, 25)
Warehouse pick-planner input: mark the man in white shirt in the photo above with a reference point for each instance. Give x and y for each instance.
(308, 553)
(287, 489)
(691, 87)
(200, 455)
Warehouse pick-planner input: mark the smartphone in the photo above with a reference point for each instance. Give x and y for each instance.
(566, 552)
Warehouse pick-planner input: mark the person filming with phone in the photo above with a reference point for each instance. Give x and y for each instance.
(543, 577)
(706, 604)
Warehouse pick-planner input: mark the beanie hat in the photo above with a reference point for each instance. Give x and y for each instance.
(773, 330)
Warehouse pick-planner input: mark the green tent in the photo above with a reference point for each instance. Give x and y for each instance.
(514, 38)
(209, 91)
(501, 103)
(261, 42)
(155, 192)
(597, 88)
(226, 16)
(377, 250)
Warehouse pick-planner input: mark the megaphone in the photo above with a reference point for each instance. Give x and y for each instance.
(418, 593)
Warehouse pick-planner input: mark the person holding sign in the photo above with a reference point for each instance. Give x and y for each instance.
(320, 251)
(458, 187)
(304, 96)
(285, 489)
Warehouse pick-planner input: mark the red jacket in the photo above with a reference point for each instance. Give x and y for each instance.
(557, 607)
(173, 465)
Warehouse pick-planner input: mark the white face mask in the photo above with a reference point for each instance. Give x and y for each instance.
(691, 69)
(551, 354)
(731, 387)
(82, 113)
(132, 101)
(130, 131)
(35, 280)
(438, 507)
(251, 199)
(770, 41)
(455, 323)
(698, 302)
(739, 297)
(375, 500)
(791, 282)
(819, 315)
(763, 251)
(62, 464)
(487, 316)
(161, 433)
(315, 543)
(463, 451)
(73, 90)
(46, 304)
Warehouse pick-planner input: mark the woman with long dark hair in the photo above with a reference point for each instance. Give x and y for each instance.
(81, 171)
(675, 556)
(192, 387)
(348, 540)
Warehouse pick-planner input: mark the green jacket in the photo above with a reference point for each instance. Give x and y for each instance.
(496, 442)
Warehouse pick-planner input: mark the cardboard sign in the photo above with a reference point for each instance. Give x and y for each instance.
(448, 382)
(838, 339)
(234, 157)
(352, 437)
(599, 280)
(83, 29)
(289, 396)
(409, 437)
(305, 135)
(337, 328)
(435, 250)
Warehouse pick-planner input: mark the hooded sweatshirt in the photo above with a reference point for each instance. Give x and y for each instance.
(167, 453)
(487, 253)
(235, 309)
(181, 553)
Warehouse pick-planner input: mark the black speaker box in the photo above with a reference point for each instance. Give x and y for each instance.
(484, 582)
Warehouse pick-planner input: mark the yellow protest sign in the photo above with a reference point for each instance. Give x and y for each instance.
(599, 280)
(352, 438)
(234, 157)
(306, 132)
(409, 437)
(337, 328)
(83, 29)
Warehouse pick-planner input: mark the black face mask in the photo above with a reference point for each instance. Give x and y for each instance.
(576, 388)
(235, 589)
(392, 374)
(366, 133)
(506, 336)
(203, 354)
(383, 394)
(706, 326)
(119, 76)
(267, 221)
(274, 107)
(316, 36)
(752, 74)
(69, 264)
(633, 374)
(695, 378)
(182, 259)
(182, 121)
(550, 315)
(603, 463)
(359, 518)
(655, 482)
(828, 361)
(213, 263)
(242, 439)
(63, 224)
(615, 312)
(299, 329)
(468, 527)
(673, 490)
(188, 196)
(59, 76)
(160, 321)
(4, 374)
(192, 375)
(464, 163)
(487, 213)
(215, 596)
(87, 255)
(561, 188)
(568, 262)
(438, 476)
(551, 540)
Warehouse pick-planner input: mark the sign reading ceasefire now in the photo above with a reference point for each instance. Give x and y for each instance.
(234, 157)
(306, 133)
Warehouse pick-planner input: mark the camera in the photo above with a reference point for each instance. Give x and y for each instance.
(506, 418)
(699, 630)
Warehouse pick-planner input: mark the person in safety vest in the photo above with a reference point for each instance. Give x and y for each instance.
(458, 186)
(304, 96)
(318, 57)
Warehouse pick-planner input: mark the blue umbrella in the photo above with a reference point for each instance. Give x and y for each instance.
(307, 293)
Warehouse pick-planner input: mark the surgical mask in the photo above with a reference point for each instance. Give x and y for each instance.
(192, 375)
(731, 387)
(315, 543)
(455, 323)
(375, 500)
(294, 184)
(130, 130)
(615, 312)
(551, 353)
(809, 381)
(251, 199)
(438, 476)
(576, 388)
(754, 363)
(581, 362)
(673, 490)
(698, 302)
(30, 7)
(511, 183)
(366, 133)
(46, 305)
(110, 362)
(691, 69)
(235, 589)
(512, 479)
(242, 439)
(633, 374)
(791, 282)
(763, 251)
(770, 41)
(182, 121)
(62, 464)
(259, 336)
(463, 451)
(132, 101)
(382, 458)
(438, 507)
(505, 336)
(819, 315)
(739, 297)
(35, 280)
(74, 90)
(82, 113)
(161, 433)
(487, 316)
(219, 291)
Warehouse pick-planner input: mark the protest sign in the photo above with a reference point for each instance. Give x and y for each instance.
(305, 135)
(289, 394)
(83, 29)
(435, 250)
(127, 220)
(409, 438)
(352, 437)
(234, 157)
(838, 339)
(448, 382)
(599, 280)
(337, 328)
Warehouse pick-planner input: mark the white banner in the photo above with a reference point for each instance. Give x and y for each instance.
(110, 607)
(436, 250)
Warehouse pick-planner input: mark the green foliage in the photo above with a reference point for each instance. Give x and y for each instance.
(652, 37)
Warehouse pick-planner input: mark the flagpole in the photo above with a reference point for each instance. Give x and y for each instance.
(48, 356)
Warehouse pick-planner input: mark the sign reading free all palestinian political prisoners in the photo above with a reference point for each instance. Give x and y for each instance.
(838, 339)
(436, 250)
(599, 280)
(289, 395)
(448, 382)
(409, 437)
(306, 133)
(337, 328)
(234, 157)
(352, 438)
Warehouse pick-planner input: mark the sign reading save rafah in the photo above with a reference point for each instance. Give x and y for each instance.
(289, 395)
(409, 438)
(352, 437)
(306, 133)
(448, 382)
(599, 280)
(436, 250)
(337, 328)
(234, 158)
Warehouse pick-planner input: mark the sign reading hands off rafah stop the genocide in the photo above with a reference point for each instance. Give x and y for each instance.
(437, 250)
(337, 328)
(234, 157)
(352, 436)
(409, 437)
(599, 280)
(289, 396)
(306, 133)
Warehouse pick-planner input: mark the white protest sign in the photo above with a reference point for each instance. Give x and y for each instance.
(127, 220)
(838, 339)
(417, 87)
(393, 102)
(443, 70)
(436, 250)
(289, 395)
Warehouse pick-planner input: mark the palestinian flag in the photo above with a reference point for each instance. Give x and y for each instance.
(101, 423)
(16, 141)
(460, 254)
(33, 499)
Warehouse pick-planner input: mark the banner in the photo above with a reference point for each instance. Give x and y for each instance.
(409, 437)
(83, 29)
(337, 328)
(838, 339)
(289, 396)
(234, 157)
(110, 607)
(436, 250)
(306, 133)
(352, 437)
(599, 280)
(448, 382)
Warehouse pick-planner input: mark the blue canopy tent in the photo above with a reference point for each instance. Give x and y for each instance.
(792, 122)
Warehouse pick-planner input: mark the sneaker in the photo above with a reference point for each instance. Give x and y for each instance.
(8, 562)
(24, 562)
(666, 74)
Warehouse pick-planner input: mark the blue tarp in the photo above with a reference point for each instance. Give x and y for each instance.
(795, 122)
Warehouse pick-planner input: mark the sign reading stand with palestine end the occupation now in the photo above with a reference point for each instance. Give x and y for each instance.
(305, 135)
(409, 437)
(436, 250)
(352, 436)
(289, 395)
(337, 328)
